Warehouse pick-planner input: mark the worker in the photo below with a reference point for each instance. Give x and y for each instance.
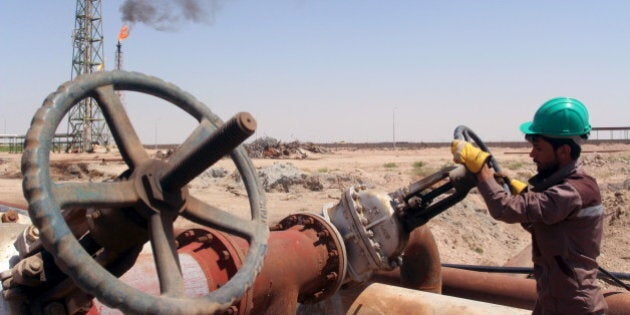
(561, 207)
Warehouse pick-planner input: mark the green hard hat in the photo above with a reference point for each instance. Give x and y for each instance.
(559, 117)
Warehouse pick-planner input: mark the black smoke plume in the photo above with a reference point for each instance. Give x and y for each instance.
(165, 15)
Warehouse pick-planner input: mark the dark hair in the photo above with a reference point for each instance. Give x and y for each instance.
(576, 149)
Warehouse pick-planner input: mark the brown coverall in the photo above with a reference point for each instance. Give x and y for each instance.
(564, 214)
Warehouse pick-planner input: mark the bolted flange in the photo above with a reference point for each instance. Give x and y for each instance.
(334, 271)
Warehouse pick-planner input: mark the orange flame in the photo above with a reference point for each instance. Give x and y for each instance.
(124, 33)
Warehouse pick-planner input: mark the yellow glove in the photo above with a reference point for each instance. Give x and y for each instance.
(470, 156)
(516, 186)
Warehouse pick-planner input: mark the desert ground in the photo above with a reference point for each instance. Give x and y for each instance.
(466, 234)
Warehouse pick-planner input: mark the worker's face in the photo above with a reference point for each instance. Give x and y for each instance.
(544, 156)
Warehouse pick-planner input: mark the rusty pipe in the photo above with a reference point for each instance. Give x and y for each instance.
(305, 263)
(492, 288)
(618, 302)
(294, 269)
(511, 291)
(421, 268)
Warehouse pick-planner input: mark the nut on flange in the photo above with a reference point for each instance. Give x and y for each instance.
(334, 271)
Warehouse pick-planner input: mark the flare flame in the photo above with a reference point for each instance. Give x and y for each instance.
(124, 33)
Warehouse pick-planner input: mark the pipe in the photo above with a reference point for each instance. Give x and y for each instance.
(293, 269)
(603, 273)
(305, 263)
(384, 299)
(492, 288)
(618, 302)
(420, 269)
(20, 208)
(511, 291)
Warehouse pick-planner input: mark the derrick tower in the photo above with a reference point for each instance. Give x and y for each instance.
(85, 120)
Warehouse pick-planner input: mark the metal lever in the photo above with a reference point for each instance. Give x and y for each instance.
(418, 203)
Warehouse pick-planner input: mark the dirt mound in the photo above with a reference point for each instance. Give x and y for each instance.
(270, 148)
(617, 208)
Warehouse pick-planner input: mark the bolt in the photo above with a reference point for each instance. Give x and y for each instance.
(54, 308)
(395, 262)
(32, 267)
(231, 310)
(94, 215)
(360, 209)
(354, 196)
(333, 253)
(308, 221)
(32, 234)
(363, 220)
(331, 276)
(189, 233)
(370, 233)
(10, 216)
(323, 234)
(225, 255)
(206, 239)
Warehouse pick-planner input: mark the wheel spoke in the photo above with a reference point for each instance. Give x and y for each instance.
(165, 255)
(202, 213)
(95, 195)
(118, 121)
(204, 147)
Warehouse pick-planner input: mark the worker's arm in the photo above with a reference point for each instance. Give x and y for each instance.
(517, 187)
(549, 206)
(485, 173)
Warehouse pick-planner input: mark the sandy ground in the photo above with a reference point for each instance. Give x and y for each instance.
(466, 234)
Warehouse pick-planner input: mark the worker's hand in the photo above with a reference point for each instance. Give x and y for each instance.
(516, 186)
(470, 156)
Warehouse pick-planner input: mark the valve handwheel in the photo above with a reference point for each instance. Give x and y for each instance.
(465, 133)
(155, 189)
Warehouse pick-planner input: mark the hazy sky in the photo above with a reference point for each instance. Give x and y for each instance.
(345, 70)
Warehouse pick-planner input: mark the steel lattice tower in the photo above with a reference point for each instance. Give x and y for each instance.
(85, 120)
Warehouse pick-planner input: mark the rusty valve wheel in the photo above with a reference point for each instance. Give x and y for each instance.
(155, 190)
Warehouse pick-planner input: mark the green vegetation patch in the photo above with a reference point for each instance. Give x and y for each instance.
(390, 165)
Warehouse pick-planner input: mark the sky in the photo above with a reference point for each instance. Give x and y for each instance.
(331, 71)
